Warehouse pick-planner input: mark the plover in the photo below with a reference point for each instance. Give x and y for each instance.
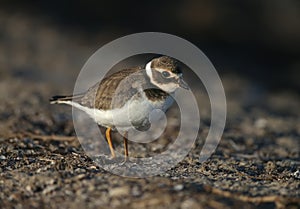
(126, 98)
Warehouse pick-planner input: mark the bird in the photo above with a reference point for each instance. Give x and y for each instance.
(137, 90)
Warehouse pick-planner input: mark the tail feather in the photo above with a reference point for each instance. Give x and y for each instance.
(62, 99)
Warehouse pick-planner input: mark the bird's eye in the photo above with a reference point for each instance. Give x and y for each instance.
(165, 74)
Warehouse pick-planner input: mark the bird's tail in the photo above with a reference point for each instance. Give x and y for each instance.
(65, 99)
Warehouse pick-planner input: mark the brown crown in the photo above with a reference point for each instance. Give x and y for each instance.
(165, 62)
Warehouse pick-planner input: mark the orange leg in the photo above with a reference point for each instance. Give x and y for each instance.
(107, 134)
(125, 145)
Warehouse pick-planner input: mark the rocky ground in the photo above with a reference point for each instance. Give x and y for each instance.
(42, 164)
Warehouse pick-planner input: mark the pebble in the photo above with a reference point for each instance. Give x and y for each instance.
(260, 123)
(270, 167)
(49, 189)
(297, 174)
(28, 188)
(136, 191)
(178, 187)
(190, 204)
(119, 191)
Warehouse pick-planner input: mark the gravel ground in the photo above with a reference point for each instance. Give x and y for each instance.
(42, 165)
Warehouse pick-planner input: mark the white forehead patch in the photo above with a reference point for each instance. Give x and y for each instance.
(149, 70)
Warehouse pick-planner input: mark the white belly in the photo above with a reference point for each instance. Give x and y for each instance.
(134, 112)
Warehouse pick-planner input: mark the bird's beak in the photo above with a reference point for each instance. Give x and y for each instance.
(183, 84)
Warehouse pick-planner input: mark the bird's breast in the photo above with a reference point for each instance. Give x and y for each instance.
(135, 112)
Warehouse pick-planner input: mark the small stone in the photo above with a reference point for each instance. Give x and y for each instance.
(178, 187)
(190, 204)
(2, 157)
(119, 191)
(270, 167)
(260, 123)
(297, 174)
(93, 167)
(136, 191)
(49, 189)
(28, 188)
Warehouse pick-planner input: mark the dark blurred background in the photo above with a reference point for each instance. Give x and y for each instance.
(258, 40)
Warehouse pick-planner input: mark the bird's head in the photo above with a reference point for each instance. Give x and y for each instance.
(164, 73)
